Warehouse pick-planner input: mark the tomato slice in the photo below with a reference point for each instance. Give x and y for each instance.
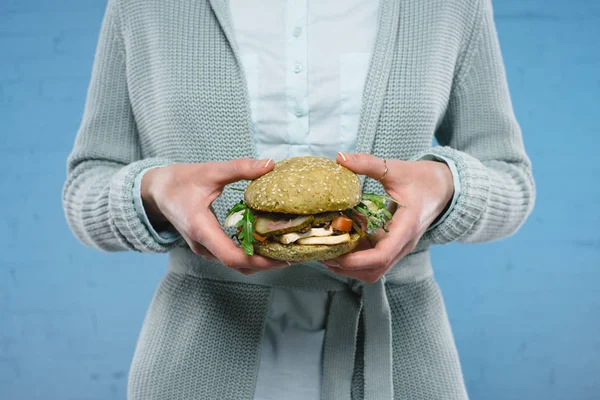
(342, 224)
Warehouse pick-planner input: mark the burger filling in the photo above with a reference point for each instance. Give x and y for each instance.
(329, 228)
(324, 229)
(319, 233)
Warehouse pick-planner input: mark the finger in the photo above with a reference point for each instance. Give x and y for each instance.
(202, 251)
(374, 274)
(198, 249)
(374, 258)
(227, 172)
(363, 164)
(387, 249)
(210, 234)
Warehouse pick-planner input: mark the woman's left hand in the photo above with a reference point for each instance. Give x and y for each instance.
(424, 187)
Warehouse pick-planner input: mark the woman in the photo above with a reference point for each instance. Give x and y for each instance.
(186, 95)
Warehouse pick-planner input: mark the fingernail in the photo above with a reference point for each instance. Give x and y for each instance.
(262, 163)
(332, 264)
(342, 155)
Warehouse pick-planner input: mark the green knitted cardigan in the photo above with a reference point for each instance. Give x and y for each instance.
(167, 87)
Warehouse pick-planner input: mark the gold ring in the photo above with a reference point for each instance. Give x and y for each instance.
(385, 172)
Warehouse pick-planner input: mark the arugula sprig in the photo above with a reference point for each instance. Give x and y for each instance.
(246, 235)
(374, 220)
(237, 207)
(374, 208)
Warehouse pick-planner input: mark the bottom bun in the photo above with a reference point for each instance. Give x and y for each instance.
(302, 253)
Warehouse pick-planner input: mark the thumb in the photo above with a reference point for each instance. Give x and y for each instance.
(227, 172)
(363, 164)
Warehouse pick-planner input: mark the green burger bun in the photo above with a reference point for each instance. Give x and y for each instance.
(299, 198)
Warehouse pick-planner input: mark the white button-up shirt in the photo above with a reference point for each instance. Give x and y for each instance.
(305, 65)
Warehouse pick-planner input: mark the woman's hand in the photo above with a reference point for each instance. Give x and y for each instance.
(182, 194)
(424, 187)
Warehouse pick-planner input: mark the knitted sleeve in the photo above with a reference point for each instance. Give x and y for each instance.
(105, 160)
(481, 135)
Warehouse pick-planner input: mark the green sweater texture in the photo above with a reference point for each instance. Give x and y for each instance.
(167, 87)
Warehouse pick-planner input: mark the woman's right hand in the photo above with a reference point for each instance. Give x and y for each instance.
(182, 194)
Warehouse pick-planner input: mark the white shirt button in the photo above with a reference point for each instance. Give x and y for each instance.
(298, 68)
(297, 31)
(299, 112)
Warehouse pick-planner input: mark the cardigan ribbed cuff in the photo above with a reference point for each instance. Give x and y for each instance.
(472, 199)
(129, 225)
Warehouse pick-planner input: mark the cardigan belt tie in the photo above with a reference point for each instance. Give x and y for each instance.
(349, 299)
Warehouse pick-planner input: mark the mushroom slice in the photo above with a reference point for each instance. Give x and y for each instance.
(294, 236)
(328, 240)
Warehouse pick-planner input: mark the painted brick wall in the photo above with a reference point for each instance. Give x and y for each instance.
(525, 311)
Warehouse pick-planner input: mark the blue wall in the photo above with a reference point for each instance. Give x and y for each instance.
(525, 311)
